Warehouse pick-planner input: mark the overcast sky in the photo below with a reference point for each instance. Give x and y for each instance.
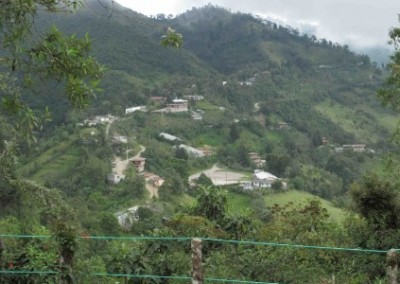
(359, 23)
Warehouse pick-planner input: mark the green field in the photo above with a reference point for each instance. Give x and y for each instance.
(364, 122)
(206, 106)
(60, 159)
(238, 201)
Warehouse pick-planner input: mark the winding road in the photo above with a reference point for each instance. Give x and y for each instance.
(119, 167)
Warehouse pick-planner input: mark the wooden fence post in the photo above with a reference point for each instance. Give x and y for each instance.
(197, 273)
(392, 266)
(1, 251)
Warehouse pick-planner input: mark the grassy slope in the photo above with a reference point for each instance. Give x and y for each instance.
(59, 160)
(354, 120)
(241, 201)
(60, 166)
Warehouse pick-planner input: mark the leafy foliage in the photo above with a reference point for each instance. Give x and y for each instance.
(390, 94)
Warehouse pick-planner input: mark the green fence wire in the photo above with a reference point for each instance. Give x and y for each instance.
(38, 272)
(142, 276)
(147, 238)
(293, 245)
(242, 242)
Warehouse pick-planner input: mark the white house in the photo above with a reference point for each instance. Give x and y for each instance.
(133, 109)
(194, 97)
(120, 139)
(256, 159)
(127, 217)
(197, 153)
(178, 105)
(261, 179)
(114, 178)
(169, 137)
(153, 179)
(100, 119)
(355, 147)
(196, 116)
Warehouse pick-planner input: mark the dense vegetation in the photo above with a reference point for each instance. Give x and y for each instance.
(293, 99)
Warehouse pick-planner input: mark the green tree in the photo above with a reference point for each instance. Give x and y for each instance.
(277, 185)
(173, 186)
(204, 180)
(30, 60)
(234, 133)
(390, 94)
(377, 201)
(212, 203)
(277, 163)
(32, 57)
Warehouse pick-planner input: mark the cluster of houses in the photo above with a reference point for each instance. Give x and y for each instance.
(177, 105)
(138, 163)
(358, 148)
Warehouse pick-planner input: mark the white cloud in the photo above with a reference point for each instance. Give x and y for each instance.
(153, 7)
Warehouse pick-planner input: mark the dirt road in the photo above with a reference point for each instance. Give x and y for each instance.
(119, 167)
(220, 176)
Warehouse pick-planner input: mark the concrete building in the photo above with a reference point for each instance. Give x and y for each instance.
(178, 105)
(169, 137)
(136, 108)
(128, 217)
(114, 178)
(193, 152)
(355, 147)
(261, 179)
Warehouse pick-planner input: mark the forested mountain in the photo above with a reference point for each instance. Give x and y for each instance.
(218, 45)
(261, 98)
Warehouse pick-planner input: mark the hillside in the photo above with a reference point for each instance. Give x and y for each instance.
(290, 98)
(249, 131)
